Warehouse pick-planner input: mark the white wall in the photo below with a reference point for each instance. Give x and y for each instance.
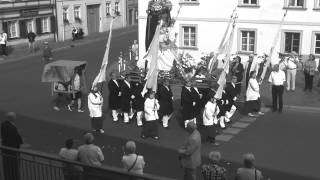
(211, 17)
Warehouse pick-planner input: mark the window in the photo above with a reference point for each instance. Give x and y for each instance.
(65, 15)
(292, 42)
(77, 12)
(116, 8)
(248, 2)
(316, 4)
(247, 41)
(45, 27)
(29, 26)
(189, 36)
(295, 3)
(189, 2)
(315, 43)
(108, 9)
(12, 29)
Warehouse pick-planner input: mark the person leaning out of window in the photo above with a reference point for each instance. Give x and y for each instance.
(309, 69)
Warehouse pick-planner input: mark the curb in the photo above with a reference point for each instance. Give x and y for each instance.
(3, 61)
(303, 108)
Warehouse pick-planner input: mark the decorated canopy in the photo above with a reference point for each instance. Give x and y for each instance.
(61, 70)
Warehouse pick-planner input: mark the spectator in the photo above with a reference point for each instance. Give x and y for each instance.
(31, 36)
(151, 107)
(253, 101)
(89, 153)
(237, 70)
(188, 103)
(309, 69)
(77, 88)
(277, 78)
(190, 152)
(250, 66)
(47, 53)
(3, 43)
(135, 50)
(138, 101)
(132, 162)
(291, 63)
(248, 172)
(12, 139)
(95, 103)
(71, 172)
(213, 171)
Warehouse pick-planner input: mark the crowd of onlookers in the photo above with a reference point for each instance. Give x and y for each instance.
(92, 155)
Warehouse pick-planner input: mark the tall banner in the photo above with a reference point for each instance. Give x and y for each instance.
(223, 76)
(275, 40)
(152, 57)
(222, 46)
(101, 77)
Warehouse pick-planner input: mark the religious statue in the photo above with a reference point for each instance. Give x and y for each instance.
(157, 10)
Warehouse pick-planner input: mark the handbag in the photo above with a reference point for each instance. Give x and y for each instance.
(134, 163)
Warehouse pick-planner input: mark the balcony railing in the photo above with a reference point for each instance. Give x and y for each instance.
(21, 164)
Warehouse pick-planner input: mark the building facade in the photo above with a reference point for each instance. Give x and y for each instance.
(91, 15)
(201, 25)
(132, 12)
(17, 18)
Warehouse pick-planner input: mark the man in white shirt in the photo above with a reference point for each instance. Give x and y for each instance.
(3, 42)
(291, 64)
(277, 79)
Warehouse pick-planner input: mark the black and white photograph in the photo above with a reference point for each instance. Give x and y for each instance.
(159, 89)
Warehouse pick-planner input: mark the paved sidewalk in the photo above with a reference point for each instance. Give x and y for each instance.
(21, 51)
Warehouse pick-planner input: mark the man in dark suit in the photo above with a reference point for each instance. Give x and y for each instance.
(12, 139)
(114, 96)
(188, 104)
(231, 96)
(237, 70)
(165, 98)
(197, 95)
(138, 101)
(126, 99)
(190, 152)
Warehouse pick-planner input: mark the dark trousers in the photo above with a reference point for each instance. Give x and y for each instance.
(189, 174)
(10, 165)
(277, 93)
(96, 123)
(308, 81)
(4, 49)
(238, 88)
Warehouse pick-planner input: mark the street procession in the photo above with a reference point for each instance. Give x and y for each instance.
(161, 89)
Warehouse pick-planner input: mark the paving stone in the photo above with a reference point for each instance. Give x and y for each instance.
(240, 125)
(248, 119)
(224, 137)
(231, 131)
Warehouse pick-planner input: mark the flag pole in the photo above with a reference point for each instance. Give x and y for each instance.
(267, 64)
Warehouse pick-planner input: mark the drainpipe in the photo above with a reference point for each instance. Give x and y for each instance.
(56, 19)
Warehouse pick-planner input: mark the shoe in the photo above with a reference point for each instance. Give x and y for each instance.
(56, 108)
(101, 131)
(69, 107)
(251, 115)
(156, 138)
(80, 110)
(139, 125)
(260, 113)
(115, 120)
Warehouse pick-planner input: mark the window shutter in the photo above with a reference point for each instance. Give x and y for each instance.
(5, 27)
(38, 25)
(53, 24)
(23, 28)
